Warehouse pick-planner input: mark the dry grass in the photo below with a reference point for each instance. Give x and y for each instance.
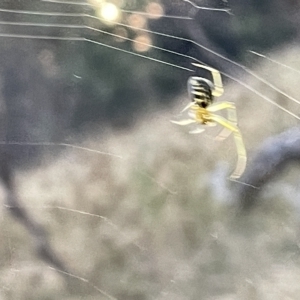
(157, 223)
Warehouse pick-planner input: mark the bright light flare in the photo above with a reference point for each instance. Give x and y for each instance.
(109, 13)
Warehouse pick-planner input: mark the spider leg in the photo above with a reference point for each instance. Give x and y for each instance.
(196, 131)
(242, 156)
(231, 116)
(188, 106)
(223, 135)
(241, 151)
(184, 122)
(220, 106)
(224, 122)
(189, 121)
(217, 80)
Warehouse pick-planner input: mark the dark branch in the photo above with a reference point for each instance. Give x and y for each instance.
(13, 204)
(272, 157)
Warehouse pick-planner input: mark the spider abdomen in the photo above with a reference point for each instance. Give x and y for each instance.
(200, 91)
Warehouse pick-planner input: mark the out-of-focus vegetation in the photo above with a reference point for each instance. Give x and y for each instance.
(100, 85)
(159, 222)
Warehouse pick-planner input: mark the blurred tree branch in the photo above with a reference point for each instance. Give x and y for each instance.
(275, 154)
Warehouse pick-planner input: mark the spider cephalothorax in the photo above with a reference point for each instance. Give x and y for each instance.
(202, 111)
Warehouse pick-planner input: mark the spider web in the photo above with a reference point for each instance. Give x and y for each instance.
(133, 212)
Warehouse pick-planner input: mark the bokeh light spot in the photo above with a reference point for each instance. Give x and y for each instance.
(155, 10)
(142, 43)
(121, 34)
(137, 21)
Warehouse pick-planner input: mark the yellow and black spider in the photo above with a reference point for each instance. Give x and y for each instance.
(202, 111)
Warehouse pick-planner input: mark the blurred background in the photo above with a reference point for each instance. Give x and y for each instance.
(144, 210)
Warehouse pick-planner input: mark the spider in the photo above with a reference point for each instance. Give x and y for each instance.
(202, 111)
